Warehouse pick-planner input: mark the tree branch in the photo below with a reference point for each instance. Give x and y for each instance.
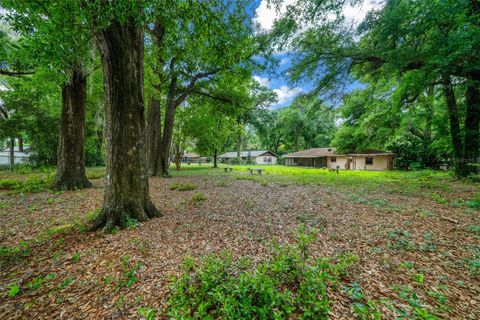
(188, 89)
(15, 73)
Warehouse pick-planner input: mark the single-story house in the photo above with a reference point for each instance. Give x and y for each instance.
(329, 158)
(257, 156)
(190, 157)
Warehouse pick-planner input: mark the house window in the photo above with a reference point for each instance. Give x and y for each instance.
(369, 161)
(333, 159)
(265, 159)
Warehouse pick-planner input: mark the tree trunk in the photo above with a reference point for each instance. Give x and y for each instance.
(126, 182)
(472, 121)
(459, 161)
(20, 144)
(153, 136)
(178, 159)
(71, 150)
(167, 139)
(215, 157)
(12, 153)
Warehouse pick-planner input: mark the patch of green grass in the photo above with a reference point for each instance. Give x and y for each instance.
(76, 257)
(198, 197)
(23, 250)
(473, 204)
(95, 173)
(473, 264)
(475, 229)
(438, 198)
(418, 278)
(64, 229)
(66, 282)
(182, 186)
(29, 184)
(400, 239)
(37, 282)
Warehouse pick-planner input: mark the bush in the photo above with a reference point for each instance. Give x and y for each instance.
(198, 197)
(36, 183)
(179, 186)
(290, 283)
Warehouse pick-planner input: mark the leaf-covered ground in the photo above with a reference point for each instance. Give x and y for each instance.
(417, 238)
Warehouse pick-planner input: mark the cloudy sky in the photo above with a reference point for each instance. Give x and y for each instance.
(265, 17)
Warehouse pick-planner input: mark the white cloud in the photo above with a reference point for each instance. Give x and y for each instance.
(285, 94)
(263, 81)
(357, 13)
(266, 14)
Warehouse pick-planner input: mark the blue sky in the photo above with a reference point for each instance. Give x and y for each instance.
(265, 16)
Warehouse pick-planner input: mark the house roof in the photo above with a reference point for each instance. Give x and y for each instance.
(191, 155)
(313, 153)
(244, 154)
(371, 152)
(325, 152)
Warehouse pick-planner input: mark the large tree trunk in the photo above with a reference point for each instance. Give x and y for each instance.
(154, 138)
(71, 151)
(472, 122)
(126, 181)
(459, 161)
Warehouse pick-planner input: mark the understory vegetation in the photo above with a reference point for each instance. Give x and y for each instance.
(289, 283)
(382, 246)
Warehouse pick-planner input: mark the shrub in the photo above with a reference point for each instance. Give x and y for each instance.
(32, 184)
(198, 197)
(182, 186)
(290, 283)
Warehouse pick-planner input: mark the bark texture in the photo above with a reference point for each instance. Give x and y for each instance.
(20, 144)
(168, 130)
(71, 151)
(11, 154)
(215, 158)
(126, 182)
(154, 138)
(472, 122)
(455, 132)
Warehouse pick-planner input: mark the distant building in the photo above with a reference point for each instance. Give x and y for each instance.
(18, 157)
(257, 156)
(329, 158)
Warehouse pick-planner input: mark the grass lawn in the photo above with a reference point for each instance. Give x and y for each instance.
(387, 245)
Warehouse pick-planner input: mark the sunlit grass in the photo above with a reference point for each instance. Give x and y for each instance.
(403, 182)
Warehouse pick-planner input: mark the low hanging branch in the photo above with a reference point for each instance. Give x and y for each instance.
(9, 73)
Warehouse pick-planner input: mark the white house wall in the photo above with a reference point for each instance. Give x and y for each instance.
(341, 162)
(260, 160)
(379, 163)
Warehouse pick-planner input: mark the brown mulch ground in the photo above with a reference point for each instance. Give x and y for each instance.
(238, 215)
